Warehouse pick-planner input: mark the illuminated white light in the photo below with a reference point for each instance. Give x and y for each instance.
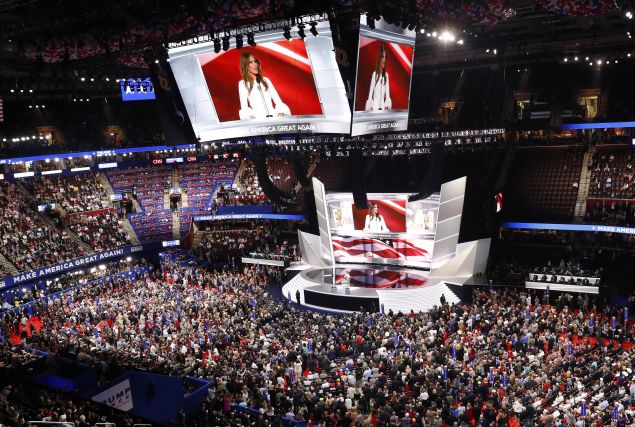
(423, 31)
(629, 55)
(434, 34)
(566, 59)
(599, 62)
(447, 36)
(92, 79)
(629, 15)
(495, 52)
(460, 42)
(487, 50)
(83, 79)
(107, 79)
(586, 58)
(590, 63)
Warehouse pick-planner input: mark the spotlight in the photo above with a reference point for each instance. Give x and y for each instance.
(156, 61)
(301, 33)
(599, 62)
(566, 59)
(239, 41)
(226, 43)
(216, 45)
(313, 30)
(629, 15)
(83, 79)
(575, 58)
(287, 32)
(250, 39)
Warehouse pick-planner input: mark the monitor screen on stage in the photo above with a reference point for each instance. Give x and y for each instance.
(278, 86)
(391, 231)
(384, 73)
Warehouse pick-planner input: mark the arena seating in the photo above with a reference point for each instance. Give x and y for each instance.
(100, 231)
(249, 192)
(612, 174)
(153, 224)
(541, 186)
(25, 239)
(147, 184)
(333, 173)
(74, 193)
(200, 181)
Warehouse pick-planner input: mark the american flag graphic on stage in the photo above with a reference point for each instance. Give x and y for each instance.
(395, 249)
(375, 278)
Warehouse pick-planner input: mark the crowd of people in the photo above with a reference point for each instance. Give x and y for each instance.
(17, 297)
(100, 232)
(612, 175)
(74, 193)
(566, 268)
(509, 358)
(26, 241)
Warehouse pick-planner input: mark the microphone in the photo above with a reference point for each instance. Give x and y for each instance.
(258, 79)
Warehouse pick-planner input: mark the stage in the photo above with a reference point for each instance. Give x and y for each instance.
(367, 288)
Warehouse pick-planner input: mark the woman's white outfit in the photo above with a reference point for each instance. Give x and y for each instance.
(258, 102)
(375, 224)
(379, 94)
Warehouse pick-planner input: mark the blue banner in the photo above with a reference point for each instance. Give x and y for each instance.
(256, 209)
(29, 276)
(596, 228)
(248, 216)
(601, 125)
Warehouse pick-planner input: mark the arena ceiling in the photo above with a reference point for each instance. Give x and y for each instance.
(50, 45)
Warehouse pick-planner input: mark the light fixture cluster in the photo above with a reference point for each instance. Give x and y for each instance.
(26, 138)
(37, 106)
(444, 36)
(595, 61)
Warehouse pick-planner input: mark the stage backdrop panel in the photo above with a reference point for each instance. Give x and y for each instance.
(405, 236)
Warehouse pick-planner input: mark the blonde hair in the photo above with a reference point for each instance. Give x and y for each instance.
(246, 75)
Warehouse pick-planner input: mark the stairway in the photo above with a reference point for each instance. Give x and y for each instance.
(583, 187)
(48, 221)
(419, 299)
(103, 180)
(398, 300)
(176, 226)
(107, 187)
(7, 265)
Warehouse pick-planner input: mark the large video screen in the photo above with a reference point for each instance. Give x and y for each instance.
(391, 231)
(384, 74)
(278, 86)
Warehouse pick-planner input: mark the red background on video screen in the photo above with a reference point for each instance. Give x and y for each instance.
(393, 211)
(398, 69)
(289, 70)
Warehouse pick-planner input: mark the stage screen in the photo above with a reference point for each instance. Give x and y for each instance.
(391, 231)
(278, 86)
(384, 73)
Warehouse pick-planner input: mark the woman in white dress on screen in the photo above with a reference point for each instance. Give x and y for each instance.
(374, 221)
(257, 92)
(379, 92)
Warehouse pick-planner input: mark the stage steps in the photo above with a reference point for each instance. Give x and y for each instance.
(398, 300)
(421, 299)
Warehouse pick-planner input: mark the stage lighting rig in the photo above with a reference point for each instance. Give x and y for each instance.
(313, 29)
(250, 39)
(226, 43)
